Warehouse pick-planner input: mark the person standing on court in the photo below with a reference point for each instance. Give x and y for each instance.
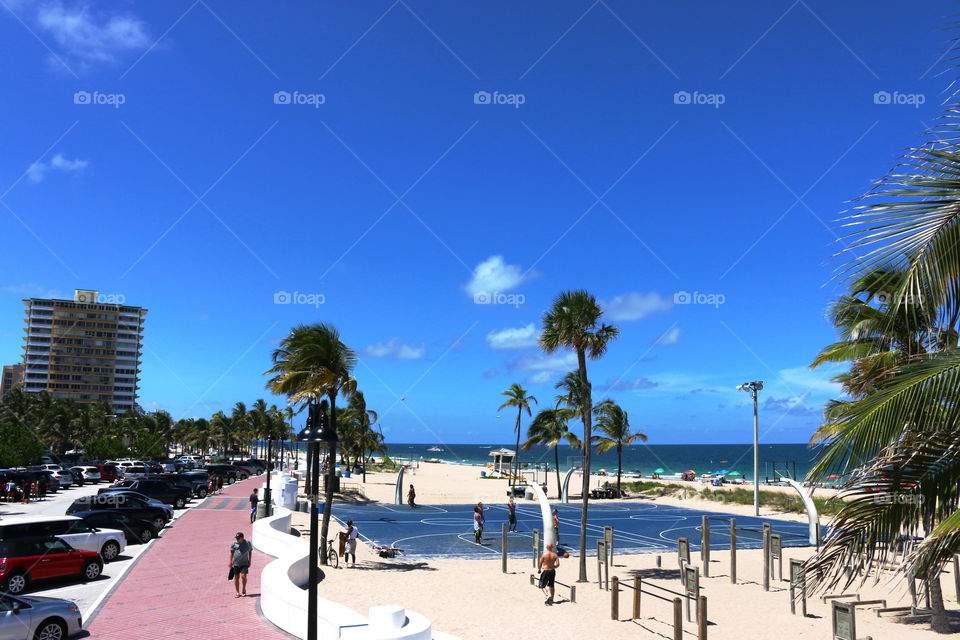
(483, 518)
(411, 497)
(556, 527)
(254, 499)
(477, 527)
(351, 549)
(512, 517)
(549, 562)
(240, 552)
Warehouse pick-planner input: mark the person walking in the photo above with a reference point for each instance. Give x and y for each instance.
(42, 488)
(549, 562)
(240, 552)
(26, 491)
(411, 497)
(483, 518)
(556, 527)
(477, 528)
(512, 517)
(254, 499)
(219, 484)
(351, 548)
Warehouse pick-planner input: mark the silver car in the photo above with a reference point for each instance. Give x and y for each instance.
(37, 618)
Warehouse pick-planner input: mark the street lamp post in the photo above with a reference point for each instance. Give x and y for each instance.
(316, 432)
(752, 388)
(266, 491)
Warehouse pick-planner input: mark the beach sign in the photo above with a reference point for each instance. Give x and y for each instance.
(844, 621)
(796, 583)
(776, 544)
(683, 551)
(691, 586)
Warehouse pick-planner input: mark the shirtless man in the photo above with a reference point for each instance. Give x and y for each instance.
(556, 526)
(549, 562)
(512, 507)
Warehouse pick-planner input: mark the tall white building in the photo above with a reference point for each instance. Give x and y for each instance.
(83, 349)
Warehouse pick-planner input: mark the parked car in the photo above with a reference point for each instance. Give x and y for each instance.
(153, 467)
(87, 473)
(178, 496)
(136, 530)
(109, 543)
(250, 469)
(63, 478)
(24, 561)
(196, 483)
(133, 504)
(108, 472)
(171, 466)
(22, 475)
(32, 617)
(76, 474)
(229, 472)
(134, 473)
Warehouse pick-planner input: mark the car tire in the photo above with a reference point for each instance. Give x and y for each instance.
(16, 583)
(145, 535)
(244, 476)
(158, 522)
(110, 551)
(179, 503)
(231, 479)
(51, 629)
(202, 493)
(91, 570)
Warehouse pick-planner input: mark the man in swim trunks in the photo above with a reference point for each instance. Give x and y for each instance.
(477, 527)
(556, 527)
(512, 507)
(549, 562)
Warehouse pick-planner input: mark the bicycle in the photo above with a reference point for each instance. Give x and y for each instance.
(333, 560)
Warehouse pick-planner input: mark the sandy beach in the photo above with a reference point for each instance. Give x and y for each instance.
(473, 599)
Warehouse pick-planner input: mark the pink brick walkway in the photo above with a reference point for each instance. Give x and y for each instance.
(179, 588)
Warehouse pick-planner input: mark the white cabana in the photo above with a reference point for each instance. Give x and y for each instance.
(503, 460)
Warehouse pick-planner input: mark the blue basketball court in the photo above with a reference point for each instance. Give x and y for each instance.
(446, 531)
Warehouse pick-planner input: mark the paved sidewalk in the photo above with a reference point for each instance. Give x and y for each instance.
(179, 588)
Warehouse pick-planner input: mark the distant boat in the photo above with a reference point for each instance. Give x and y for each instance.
(432, 461)
(436, 449)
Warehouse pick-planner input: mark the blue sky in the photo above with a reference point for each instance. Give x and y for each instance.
(428, 175)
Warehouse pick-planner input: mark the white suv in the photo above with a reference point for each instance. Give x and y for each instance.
(109, 543)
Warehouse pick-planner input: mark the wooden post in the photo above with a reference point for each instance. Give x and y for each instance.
(677, 619)
(766, 558)
(615, 599)
(608, 540)
(503, 541)
(702, 619)
(573, 593)
(733, 550)
(705, 546)
(536, 548)
(637, 584)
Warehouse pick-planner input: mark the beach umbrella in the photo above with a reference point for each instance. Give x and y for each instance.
(658, 470)
(690, 471)
(734, 473)
(833, 477)
(723, 472)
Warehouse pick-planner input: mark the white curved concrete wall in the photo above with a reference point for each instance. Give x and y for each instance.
(283, 594)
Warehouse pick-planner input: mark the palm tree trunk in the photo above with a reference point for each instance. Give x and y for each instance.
(516, 456)
(556, 459)
(619, 465)
(585, 497)
(939, 621)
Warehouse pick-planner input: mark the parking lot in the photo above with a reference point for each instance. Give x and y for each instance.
(87, 595)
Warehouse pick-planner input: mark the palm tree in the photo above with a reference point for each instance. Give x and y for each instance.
(900, 432)
(572, 393)
(548, 428)
(310, 363)
(573, 321)
(613, 423)
(517, 397)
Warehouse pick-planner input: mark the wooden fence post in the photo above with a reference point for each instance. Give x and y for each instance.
(615, 599)
(702, 619)
(733, 550)
(705, 546)
(637, 583)
(766, 559)
(503, 541)
(677, 619)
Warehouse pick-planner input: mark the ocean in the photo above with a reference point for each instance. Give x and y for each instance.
(642, 459)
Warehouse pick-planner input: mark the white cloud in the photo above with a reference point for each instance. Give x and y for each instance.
(513, 338)
(801, 379)
(38, 170)
(668, 337)
(631, 385)
(549, 362)
(494, 275)
(541, 377)
(395, 348)
(88, 37)
(793, 406)
(636, 306)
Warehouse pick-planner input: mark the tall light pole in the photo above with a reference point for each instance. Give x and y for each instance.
(752, 388)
